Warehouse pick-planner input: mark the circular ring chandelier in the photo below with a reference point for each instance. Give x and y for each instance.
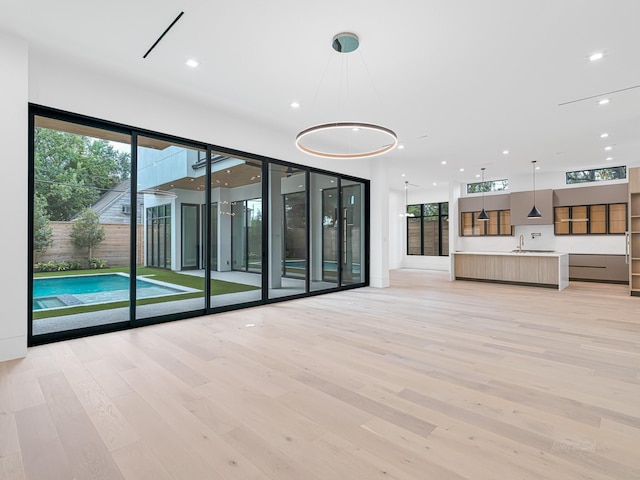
(344, 43)
(347, 125)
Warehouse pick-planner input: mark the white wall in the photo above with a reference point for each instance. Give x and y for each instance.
(397, 229)
(60, 82)
(379, 222)
(13, 195)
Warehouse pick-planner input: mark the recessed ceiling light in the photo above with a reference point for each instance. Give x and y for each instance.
(443, 162)
(191, 63)
(608, 147)
(604, 135)
(596, 56)
(355, 129)
(537, 168)
(604, 101)
(462, 169)
(477, 175)
(609, 159)
(434, 184)
(400, 147)
(402, 175)
(295, 105)
(505, 152)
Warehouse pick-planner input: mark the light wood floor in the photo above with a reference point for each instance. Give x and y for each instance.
(427, 379)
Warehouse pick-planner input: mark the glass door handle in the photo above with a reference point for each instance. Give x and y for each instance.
(344, 236)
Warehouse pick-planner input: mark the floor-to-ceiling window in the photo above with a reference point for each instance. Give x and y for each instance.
(131, 228)
(236, 230)
(81, 218)
(324, 226)
(353, 232)
(287, 231)
(171, 280)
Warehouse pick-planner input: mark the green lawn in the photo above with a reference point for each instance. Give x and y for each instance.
(218, 287)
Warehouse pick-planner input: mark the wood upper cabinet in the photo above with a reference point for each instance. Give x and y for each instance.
(521, 203)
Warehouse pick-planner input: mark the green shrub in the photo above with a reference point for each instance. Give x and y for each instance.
(96, 263)
(52, 266)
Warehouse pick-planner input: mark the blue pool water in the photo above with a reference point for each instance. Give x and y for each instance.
(46, 287)
(54, 292)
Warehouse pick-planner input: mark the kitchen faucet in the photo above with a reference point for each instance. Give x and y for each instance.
(520, 243)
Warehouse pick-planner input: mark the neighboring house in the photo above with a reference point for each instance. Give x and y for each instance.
(114, 206)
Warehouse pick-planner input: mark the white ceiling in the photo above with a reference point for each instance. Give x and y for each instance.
(457, 80)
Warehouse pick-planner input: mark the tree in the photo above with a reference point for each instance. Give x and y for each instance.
(72, 171)
(42, 232)
(87, 232)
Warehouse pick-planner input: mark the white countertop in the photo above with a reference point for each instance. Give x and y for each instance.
(527, 253)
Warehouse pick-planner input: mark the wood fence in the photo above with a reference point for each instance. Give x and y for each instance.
(114, 248)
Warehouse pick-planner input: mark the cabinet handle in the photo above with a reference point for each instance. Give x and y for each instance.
(626, 247)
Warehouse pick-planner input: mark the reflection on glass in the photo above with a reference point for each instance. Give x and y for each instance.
(170, 263)
(81, 223)
(213, 250)
(287, 231)
(352, 248)
(236, 230)
(324, 224)
(158, 239)
(190, 236)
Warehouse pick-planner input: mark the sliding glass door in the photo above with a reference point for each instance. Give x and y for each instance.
(353, 232)
(131, 229)
(82, 214)
(324, 229)
(236, 230)
(170, 279)
(287, 232)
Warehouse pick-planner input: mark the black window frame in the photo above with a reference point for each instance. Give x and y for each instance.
(442, 216)
(488, 186)
(132, 320)
(594, 172)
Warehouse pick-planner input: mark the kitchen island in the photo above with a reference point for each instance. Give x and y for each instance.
(526, 267)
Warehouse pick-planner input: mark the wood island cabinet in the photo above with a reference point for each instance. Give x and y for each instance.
(535, 269)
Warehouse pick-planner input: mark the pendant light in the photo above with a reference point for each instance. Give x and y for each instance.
(483, 217)
(348, 139)
(534, 213)
(406, 201)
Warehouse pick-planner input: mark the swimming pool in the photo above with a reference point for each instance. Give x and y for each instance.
(71, 290)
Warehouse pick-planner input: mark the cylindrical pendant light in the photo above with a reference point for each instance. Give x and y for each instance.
(483, 217)
(534, 213)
